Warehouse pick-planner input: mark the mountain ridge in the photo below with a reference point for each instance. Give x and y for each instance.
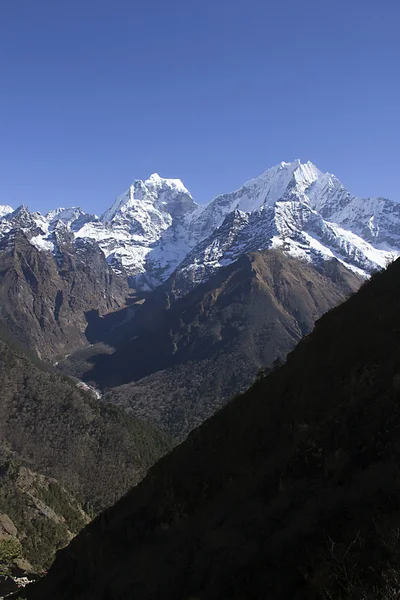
(46, 295)
(154, 227)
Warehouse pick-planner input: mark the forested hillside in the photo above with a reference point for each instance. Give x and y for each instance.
(51, 429)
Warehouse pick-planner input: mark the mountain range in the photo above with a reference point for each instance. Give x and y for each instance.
(119, 335)
(168, 291)
(155, 228)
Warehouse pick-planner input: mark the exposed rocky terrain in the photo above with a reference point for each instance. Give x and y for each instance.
(57, 269)
(45, 297)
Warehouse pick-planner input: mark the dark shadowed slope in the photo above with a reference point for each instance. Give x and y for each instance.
(290, 492)
(181, 360)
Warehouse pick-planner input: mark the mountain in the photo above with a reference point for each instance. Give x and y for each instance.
(155, 227)
(180, 359)
(290, 224)
(294, 206)
(374, 219)
(291, 491)
(146, 229)
(61, 449)
(48, 286)
(5, 210)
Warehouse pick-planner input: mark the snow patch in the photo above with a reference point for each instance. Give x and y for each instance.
(41, 243)
(5, 210)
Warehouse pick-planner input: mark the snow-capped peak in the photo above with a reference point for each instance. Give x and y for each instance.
(5, 210)
(267, 188)
(260, 193)
(305, 174)
(155, 190)
(155, 226)
(157, 182)
(72, 217)
(120, 203)
(22, 209)
(63, 214)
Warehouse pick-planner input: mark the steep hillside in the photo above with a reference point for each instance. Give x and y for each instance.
(290, 492)
(92, 448)
(181, 360)
(37, 518)
(49, 428)
(45, 298)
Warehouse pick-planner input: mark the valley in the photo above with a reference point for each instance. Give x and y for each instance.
(199, 331)
(126, 337)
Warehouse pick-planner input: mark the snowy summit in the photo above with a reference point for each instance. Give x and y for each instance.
(155, 227)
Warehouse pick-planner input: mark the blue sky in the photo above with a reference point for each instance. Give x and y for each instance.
(95, 94)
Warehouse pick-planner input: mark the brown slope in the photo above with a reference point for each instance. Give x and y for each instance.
(44, 300)
(290, 492)
(189, 358)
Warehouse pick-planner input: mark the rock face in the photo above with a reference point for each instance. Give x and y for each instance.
(45, 296)
(291, 491)
(183, 359)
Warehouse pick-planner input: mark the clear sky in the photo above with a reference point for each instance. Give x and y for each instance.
(97, 93)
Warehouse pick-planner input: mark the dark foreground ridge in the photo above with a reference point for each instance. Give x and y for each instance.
(290, 492)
